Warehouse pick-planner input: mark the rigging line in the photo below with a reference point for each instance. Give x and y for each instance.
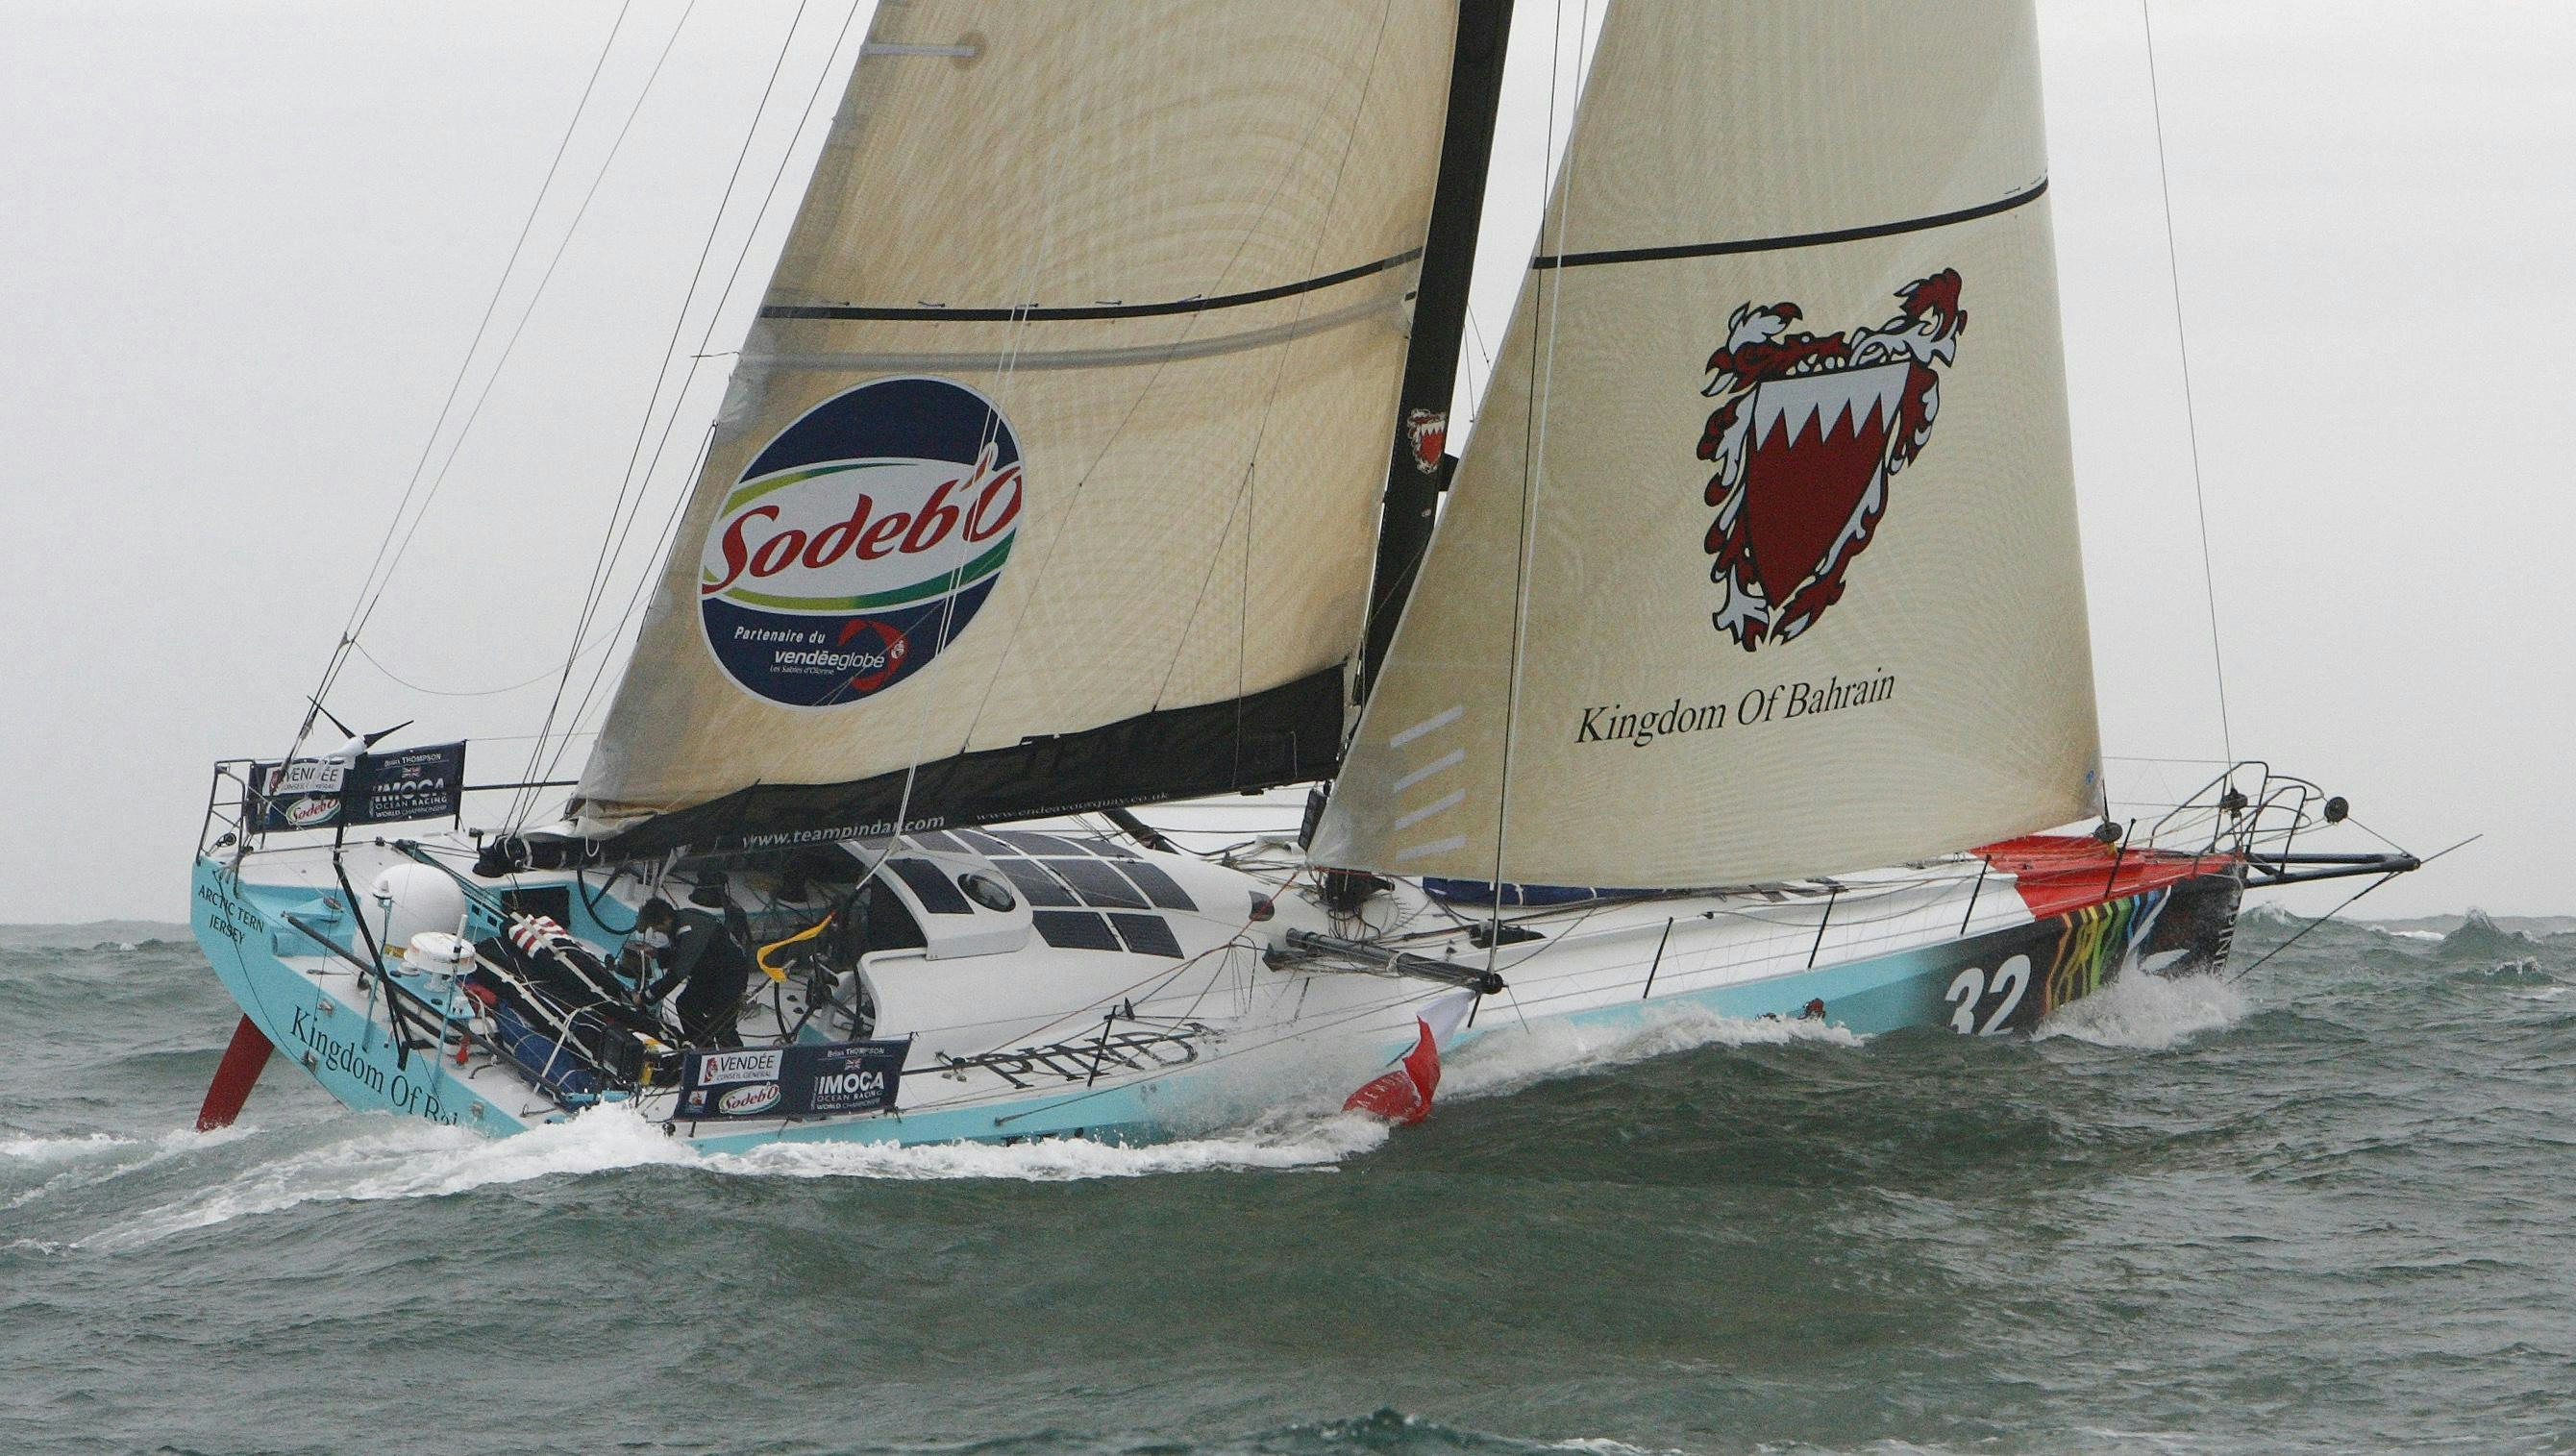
(1270, 401)
(1533, 450)
(491, 307)
(1040, 568)
(612, 544)
(2313, 924)
(670, 349)
(456, 386)
(1041, 249)
(1475, 391)
(2182, 348)
(670, 530)
(2355, 895)
(510, 345)
(831, 67)
(378, 664)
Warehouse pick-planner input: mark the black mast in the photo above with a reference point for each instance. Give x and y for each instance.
(1417, 473)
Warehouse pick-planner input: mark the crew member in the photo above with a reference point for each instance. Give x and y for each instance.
(706, 961)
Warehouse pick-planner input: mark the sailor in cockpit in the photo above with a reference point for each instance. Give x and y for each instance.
(697, 953)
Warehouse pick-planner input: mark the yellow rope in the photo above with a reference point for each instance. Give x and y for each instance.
(808, 933)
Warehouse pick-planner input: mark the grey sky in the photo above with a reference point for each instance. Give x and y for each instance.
(246, 244)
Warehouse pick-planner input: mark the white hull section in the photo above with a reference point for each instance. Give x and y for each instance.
(1116, 991)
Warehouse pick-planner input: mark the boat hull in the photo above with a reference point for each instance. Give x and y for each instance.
(1992, 982)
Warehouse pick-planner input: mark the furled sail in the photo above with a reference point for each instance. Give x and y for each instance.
(1761, 562)
(1047, 479)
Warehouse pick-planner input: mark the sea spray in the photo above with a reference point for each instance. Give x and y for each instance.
(2146, 1012)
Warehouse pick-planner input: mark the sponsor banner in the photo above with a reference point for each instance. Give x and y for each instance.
(825, 1079)
(715, 1067)
(373, 788)
(307, 793)
(416, 783)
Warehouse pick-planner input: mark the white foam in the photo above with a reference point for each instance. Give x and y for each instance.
(1507, 1056)
(417, 1160)
(2148, 1012)
(96, 1158)
(379, 1159)
(41, 1150)
(1310, 1142)
(406, 1160)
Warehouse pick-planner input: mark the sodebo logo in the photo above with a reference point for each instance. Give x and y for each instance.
(860, 541)
(758, 1097)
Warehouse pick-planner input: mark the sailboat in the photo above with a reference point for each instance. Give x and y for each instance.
(1089, 452)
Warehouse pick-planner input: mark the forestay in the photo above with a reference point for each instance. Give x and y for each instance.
(1761, 562)
(1051, 464)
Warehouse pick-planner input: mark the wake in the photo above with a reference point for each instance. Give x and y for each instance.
(377, 1159)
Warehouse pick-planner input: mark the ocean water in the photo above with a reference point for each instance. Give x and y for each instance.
(2331, 1207)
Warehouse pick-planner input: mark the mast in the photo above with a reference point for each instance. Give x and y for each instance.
(1413, 482)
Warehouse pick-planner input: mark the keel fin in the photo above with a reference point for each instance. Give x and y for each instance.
(1402, 1093)
(242, 1064)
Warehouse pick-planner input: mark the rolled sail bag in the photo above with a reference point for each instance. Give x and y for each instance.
(575, 1024)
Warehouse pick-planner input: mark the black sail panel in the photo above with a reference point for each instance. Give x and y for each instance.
(1287, 735)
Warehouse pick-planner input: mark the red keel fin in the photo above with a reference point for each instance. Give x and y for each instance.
(243, 1061)
(1402, 1094)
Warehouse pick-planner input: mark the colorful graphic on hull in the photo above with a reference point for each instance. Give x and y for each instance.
(860, 541)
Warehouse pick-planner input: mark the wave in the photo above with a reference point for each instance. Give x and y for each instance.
(376, 1160)
(67, 1164)
(2144, 1012)
(422, 1161)
(42, 1150)
(1510, 1057)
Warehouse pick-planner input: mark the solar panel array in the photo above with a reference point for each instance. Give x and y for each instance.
(1083, 893)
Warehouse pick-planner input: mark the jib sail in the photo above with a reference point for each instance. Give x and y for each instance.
(1049, 473)
(1762, 561)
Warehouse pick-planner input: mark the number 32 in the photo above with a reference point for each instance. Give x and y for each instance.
(1969, 989)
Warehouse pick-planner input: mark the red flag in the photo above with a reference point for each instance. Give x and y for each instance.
(1402, 1093)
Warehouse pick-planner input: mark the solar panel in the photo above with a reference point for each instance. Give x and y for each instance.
(1147, 935)
(1040, 887)
(936, 839)
(931, 886)
(1098, 884)
(1074, 930)
(1162, 889)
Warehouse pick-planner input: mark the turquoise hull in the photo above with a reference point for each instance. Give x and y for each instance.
(1997, 982)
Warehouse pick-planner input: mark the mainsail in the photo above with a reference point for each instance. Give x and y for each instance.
(1048, 476)
(1761, 562)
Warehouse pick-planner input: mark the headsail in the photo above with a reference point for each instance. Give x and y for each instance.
(1761, 562)
(1051, 466)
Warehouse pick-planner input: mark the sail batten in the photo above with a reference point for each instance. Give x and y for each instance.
(1761, 563)
(1081, 358)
